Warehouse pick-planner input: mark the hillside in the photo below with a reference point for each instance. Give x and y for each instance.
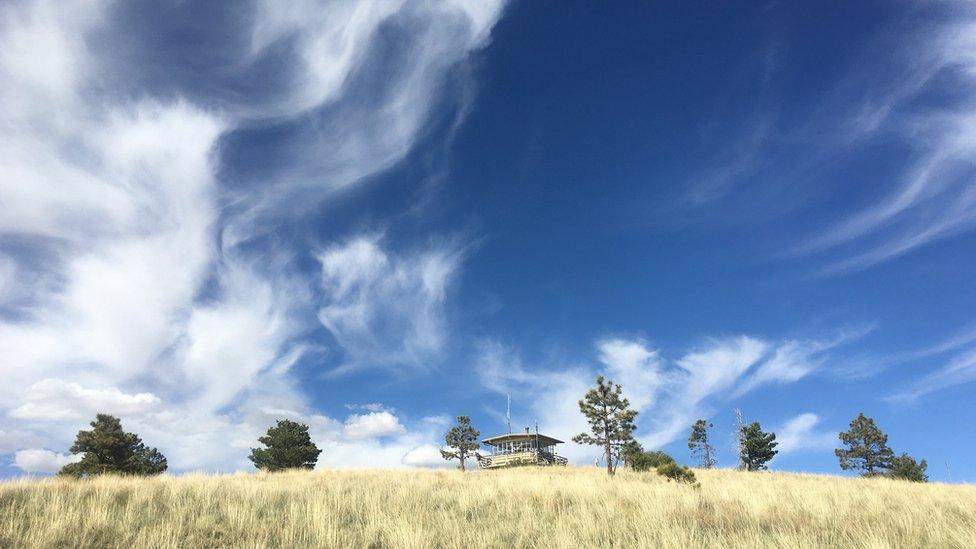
(518, 507)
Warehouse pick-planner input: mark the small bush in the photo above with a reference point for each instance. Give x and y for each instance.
(645, 461)
(677, 473)
(905, 467)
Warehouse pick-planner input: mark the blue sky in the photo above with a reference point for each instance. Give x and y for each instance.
(372, 217)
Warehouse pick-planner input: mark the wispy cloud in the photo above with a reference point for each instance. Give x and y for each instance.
(799, 434)
(935, 195)
(145, 287)
(386, 310)
(959, 370)
(674, 393)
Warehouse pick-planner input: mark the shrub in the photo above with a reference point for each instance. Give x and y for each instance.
(677, 473)
(645, 461)
(905, 467)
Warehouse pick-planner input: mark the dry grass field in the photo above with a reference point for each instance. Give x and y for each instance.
(569, 507)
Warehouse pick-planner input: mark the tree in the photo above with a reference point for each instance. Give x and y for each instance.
(611, 420)
(699, 445)
(107, 448)
(677, 473)
(905, 467)
(287, 446)
(867, 448)
(645, 461)
(757, 447)
(631, 451)
(462, 439)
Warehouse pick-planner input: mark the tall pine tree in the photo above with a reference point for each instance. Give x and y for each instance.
(611, 420)
(463, 441)
(866, 448)
(758, 447)
(700, 446)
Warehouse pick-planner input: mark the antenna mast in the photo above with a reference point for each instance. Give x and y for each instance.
(508, 413)
(739, 423)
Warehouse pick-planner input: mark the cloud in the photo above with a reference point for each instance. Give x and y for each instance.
(798, 434)
(55, 399)
(147, 284)
(959, 370)
(372, 425)
(934, 197)
(670, 394)
(635, 367)
(704, 373)
(386, 310)
(14, 440)
(367, 77)
(427, 456)
(37, 460)
(793, 360)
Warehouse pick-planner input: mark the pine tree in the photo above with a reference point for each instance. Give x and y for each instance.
(867, 448)
(700, 446)
(611, 420)
(757, 447)
(905, 467)
(463, 439)
(287, 446)
(107, 448)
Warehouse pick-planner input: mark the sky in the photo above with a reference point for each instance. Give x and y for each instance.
(372, 217)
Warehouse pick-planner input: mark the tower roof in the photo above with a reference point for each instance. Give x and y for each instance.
(513, 437)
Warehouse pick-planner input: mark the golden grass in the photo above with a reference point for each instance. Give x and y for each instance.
(528, 507)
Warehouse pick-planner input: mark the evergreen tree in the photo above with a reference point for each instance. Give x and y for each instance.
(645, 461)
(905, 467)
(700, 446)
(611, 420)
(631, 451)
(107, 448)
(757, 447)
(287, 446)
(463, 441)
(867, 448)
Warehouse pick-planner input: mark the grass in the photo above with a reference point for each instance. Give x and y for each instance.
(527, 507)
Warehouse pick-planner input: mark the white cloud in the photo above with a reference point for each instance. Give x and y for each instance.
(369, 407)
(428, 456)
(386, 310)
(372, 425)
(705, 373)
(670, 396)
(635, 367)
(959, 370)
(56, 399)
(798, 434)
(935, 197)
(140, 292)
(14, 440)
(37, 460)
(372, 122)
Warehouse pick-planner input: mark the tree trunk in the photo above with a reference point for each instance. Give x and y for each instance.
(461, 454)
(606, 452)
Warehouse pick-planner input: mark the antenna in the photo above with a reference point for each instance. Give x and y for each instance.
(537, 435)
(508, 413)
(738, 438)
